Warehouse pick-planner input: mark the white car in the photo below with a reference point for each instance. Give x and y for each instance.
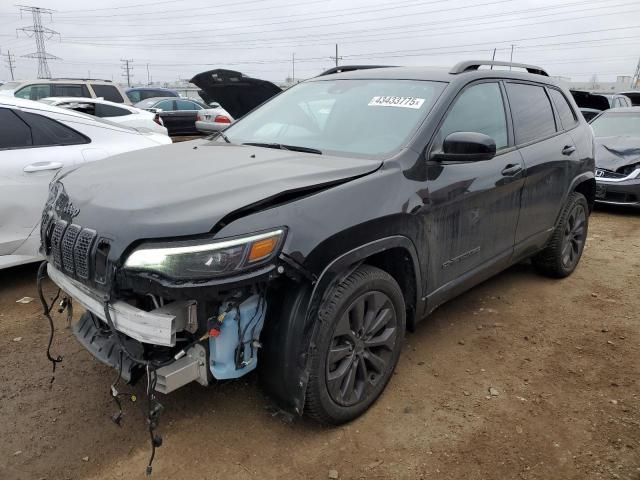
(115, 112)
(37, 141)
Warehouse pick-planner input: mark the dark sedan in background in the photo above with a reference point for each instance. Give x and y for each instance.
(617, 133)
(179, 115)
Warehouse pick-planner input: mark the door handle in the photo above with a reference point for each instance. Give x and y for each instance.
(41, 166)
(568, 150)
(511, 170)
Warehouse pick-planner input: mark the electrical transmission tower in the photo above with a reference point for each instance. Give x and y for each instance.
(11, 62)
(127, 68)
(40, 33)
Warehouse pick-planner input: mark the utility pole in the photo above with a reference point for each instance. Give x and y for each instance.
(635, 81)
(493, 57)
(293, 68)
(126, 68)
(148, 76)
(40, 33)
(336, 58)
(10, 59)
(511, 57)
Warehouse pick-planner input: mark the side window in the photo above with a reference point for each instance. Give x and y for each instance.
(108, 92)
(72, 90)
(134, 96)
(34, 92)
(166, 105)
(104, 111)
(14, 132)
(47, 132)
(187, 105)
(565, 112)
(532, 113)
(478, 109)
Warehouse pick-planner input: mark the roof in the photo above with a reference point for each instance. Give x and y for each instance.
(150, 87)
(6, 101)
(437, 74)
(623, 110)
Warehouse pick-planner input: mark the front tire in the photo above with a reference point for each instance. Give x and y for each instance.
(357, 345)
(561, 256)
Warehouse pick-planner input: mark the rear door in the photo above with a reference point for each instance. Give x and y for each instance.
(186, 112)
(474, 206)
(32, 149)
(169, 116)
(546, 150)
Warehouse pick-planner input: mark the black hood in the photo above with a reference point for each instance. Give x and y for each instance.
(235, 92)
(181, 190)
(613, 153)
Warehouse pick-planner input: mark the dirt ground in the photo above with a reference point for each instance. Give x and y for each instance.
(562, 356)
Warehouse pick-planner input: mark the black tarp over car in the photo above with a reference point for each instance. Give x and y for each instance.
(235, 92)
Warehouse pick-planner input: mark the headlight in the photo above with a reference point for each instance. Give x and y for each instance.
(207, 258)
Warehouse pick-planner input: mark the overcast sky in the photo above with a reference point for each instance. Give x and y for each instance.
(177, 39)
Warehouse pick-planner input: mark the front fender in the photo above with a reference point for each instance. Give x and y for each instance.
(292, 327)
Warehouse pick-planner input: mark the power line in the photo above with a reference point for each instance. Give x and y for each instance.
(10, 59)
(127, 68)
(40, 33)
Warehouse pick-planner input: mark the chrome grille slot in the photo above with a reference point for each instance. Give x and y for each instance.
(82, 252)
(56, 242)
(68, 242)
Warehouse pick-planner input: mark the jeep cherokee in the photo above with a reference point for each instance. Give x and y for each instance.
(308, 236)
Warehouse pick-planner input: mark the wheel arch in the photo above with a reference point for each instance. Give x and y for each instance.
(289, 340)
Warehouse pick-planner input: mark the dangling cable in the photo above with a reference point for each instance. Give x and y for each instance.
(46, 309)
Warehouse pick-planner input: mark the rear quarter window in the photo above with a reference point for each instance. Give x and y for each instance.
(108, 92)
(104, 111)
(70, 90)
(48, 132)
(531, 111)
(565, 112)
(15, 133)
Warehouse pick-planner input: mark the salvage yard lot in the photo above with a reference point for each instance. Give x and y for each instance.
(562, 360)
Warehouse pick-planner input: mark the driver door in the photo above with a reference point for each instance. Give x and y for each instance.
(473, 206)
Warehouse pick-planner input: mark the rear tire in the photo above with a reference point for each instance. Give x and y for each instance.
(357, 346)
(562, 254)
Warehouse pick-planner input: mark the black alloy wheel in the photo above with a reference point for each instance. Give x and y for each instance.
(564, 249)
(362, 348)
(575, 234)
(357, 343)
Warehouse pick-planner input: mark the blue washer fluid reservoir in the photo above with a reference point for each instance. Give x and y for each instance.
(223, 347)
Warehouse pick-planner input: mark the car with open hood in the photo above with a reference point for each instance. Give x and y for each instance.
(617, 133)
(306, 238)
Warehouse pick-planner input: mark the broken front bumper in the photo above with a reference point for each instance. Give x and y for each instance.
(623, 191)
(158, 327)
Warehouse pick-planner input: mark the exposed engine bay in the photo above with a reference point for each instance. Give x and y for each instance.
(171, 342)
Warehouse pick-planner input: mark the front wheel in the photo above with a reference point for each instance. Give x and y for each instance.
(357, 346)
(561, 256)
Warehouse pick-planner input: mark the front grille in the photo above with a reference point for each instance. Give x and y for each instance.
(68, 242)
(71, 248)
(601, 173)
(82, 252)
(56, 242)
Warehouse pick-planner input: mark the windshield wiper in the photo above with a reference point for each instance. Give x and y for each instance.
(280, 146)
(221, 134)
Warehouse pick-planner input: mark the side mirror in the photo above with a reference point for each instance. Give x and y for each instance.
(466, 147)
(214, 104)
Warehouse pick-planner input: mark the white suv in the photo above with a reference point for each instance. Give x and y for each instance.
(65, 87)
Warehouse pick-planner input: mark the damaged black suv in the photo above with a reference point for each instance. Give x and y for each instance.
(308, 236)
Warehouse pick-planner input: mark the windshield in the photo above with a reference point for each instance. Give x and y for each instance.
(10, 86)
(616, 124)
(354, 117)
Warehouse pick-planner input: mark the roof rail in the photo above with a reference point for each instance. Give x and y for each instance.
(82, 79)
(351, 68)
(470, 65)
